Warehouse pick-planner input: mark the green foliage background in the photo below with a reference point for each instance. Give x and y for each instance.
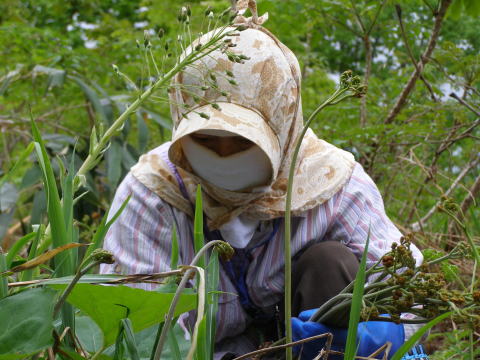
(57, 61)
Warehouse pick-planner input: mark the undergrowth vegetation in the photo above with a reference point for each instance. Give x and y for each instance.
(72, 124)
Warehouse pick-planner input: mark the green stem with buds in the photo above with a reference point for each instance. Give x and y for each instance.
(99, 148)
(349, 87)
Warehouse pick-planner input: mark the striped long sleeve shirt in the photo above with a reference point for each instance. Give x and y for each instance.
(140, 240)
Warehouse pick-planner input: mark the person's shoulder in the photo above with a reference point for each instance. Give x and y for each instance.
(359, 177)
(131, 184)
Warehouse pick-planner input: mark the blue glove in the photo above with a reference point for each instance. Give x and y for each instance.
(370, 336)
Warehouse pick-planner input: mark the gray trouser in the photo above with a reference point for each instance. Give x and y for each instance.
(320, 273)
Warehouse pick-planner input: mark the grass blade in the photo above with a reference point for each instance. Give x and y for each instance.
(174, 255)
(63, 263)
(28, 275)
(201, 352)
(173, 344)
(130, 339)
(16, 247)
(213, 277)
(356, 307)
(103, 228)
(416, 336)
(43, 258)
(3, 280)
(198, 226)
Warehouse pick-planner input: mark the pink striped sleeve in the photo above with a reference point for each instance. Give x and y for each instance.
(140, 239)
(361, 211)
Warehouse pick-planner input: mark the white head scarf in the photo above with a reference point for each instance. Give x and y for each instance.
(264, 107)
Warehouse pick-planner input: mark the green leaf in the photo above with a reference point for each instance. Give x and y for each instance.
(16, 247)
(8, 197)
(129, 158)
(142, 132)
(63, 262)
(27, 323)
(114, 163)
(39, 207)
(416, 336)
(213, 278)
(5, 221)
(92, 96)
(3, 280)
(56, 77)
(450, 271)
(198, 240)
(102, 229)
(28, 275)
(358, 287)
(9, 78)
(160, 120)
(173, 345)
(88, 333)
(106, 306)
(174, 255)
(201, 352)
(129, 338)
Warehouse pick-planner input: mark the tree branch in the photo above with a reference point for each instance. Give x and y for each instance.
(410, 53)
(440, 16)
(417, 225)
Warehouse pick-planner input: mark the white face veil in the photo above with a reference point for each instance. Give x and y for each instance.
(264, 106)
(248, 169)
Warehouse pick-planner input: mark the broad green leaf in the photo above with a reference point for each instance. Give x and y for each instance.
(88, 333)
(356, 307)
(32, 176)
(106, 306)
(27, 323)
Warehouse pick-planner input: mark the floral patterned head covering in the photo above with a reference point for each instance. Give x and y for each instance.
(259, 100)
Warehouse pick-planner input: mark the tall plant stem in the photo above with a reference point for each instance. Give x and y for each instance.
(176, 298)
(92, 157)
(288, 259)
